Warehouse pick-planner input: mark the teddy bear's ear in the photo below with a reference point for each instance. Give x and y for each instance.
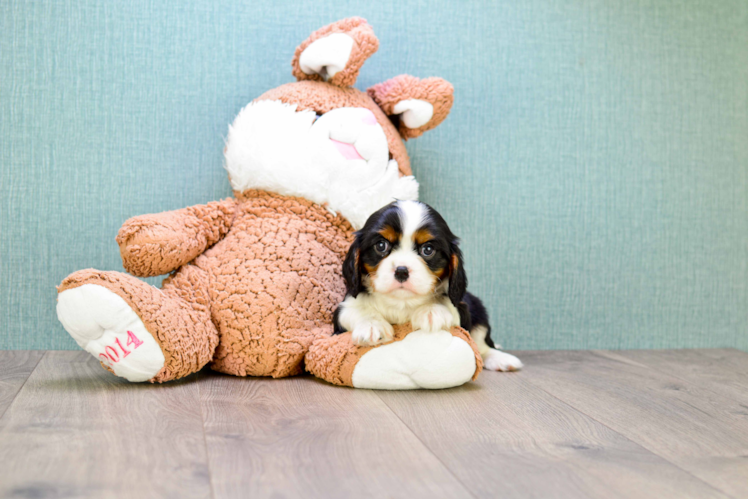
(415, 105)
(336, 52)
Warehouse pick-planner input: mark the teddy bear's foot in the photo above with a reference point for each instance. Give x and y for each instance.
(428, 360)
(139, 332)
(412, 360)
(103, 324)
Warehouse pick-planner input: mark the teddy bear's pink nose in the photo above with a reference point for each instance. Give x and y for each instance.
(369, 118)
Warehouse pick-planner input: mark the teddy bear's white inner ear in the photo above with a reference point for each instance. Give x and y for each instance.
(415, 112)
(326, 56)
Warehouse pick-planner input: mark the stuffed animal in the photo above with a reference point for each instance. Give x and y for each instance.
(254, 278)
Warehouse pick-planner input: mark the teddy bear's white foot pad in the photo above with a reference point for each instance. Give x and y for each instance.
(103, 324)
(435, 360)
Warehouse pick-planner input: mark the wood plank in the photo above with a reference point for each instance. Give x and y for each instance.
(702, 432)
(15, 368)
(75, 430)
(301, 437)
(503, 437)
(724, 371)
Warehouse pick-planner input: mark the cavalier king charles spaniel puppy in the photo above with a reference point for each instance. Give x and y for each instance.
(405, 265)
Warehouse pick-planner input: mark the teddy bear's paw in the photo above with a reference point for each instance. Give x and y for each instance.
(433, 318)
(372, 332)
(103, 324)
(500, 361)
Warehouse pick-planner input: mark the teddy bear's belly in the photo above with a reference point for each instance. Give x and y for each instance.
(272, 282)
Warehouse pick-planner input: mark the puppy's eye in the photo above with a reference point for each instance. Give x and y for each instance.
(427, 251)
(382, 246)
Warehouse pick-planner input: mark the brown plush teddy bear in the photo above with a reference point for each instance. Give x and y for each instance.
(255, 278)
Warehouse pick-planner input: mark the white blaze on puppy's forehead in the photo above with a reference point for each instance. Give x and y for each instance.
(412, 216)
(326, 56)
(415, 112)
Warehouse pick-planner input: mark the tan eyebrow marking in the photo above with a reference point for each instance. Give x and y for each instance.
(440, 273)
(422, 236)
(371, 269)
(389, 234)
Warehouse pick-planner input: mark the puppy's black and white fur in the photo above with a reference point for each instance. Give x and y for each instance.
(405, 265)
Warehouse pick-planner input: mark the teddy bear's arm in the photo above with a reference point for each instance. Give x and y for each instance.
(157, 244)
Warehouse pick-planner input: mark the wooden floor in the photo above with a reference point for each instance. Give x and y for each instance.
(571, 424)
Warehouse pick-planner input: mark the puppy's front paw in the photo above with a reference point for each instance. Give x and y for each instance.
(500, 361)
(432, 318)
(372, 332)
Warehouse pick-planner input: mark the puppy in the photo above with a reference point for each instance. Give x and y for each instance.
(405, 265)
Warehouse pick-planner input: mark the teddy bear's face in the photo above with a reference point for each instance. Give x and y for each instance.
(340, 158)
(330, 143)
(325, 100)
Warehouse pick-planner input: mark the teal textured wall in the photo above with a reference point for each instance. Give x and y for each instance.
(595, 163)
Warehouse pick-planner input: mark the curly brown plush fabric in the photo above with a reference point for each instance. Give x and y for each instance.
(365, 43)
(273, 279)
(334, 357)
(156, 244)
(252, 302)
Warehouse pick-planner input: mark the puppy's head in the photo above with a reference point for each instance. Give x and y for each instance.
(405, 250)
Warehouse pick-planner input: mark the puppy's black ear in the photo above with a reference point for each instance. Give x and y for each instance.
(352, 269)
(457, 276)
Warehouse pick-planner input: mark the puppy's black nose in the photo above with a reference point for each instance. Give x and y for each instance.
(401, 274)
